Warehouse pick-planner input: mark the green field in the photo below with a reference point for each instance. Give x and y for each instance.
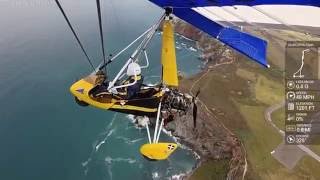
(211, 170)
(278, 117)
(239, 94)
(262, 138)
(243, 95)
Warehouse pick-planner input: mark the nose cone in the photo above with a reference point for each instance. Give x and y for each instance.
(80, 89)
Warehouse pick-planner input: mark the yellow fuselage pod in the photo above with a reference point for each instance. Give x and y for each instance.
(158, 151)
(168, 56)
(140, 106)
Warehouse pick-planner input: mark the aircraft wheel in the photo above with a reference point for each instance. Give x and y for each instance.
(81, 103)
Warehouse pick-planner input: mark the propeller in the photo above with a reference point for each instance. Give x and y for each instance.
(195, 109)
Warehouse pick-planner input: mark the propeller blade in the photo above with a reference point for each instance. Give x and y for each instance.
(195, 113)
(198, 92)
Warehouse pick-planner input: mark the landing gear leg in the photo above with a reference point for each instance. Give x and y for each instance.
(154, 150)
(148, 131)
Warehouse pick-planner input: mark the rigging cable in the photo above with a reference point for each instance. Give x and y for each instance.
(101, 66)
(101, 33)
(74, 33)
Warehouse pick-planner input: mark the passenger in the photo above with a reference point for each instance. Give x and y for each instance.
(134, 74)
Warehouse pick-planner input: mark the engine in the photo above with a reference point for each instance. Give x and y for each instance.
(175, 101)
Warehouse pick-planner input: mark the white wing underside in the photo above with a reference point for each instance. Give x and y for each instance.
(291, 17)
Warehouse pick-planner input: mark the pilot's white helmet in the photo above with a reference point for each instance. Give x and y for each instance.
(133, 69)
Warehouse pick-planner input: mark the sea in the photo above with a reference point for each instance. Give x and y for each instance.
(44, 134)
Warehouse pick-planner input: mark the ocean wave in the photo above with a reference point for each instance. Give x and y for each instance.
(151, 76)
(151, 84)
(131, 118)
(155, 175)
(193, 49)
(184, 37)
(177, 176)
(108, 132)
(85, 163)
(110, 160)
(96, 145)
(108, 127)
(104, 140)
(128, 140)
(110, 172)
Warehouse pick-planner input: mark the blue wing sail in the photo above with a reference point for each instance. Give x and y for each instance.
(203, 3)
(251, 46)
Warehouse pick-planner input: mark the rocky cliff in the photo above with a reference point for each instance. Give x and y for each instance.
(210, 138)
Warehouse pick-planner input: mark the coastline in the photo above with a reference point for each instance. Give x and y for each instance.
(213, 142)
(237, 94)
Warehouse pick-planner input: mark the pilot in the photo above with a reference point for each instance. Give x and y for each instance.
(134, 74)
(101, 77)
(101, 84)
